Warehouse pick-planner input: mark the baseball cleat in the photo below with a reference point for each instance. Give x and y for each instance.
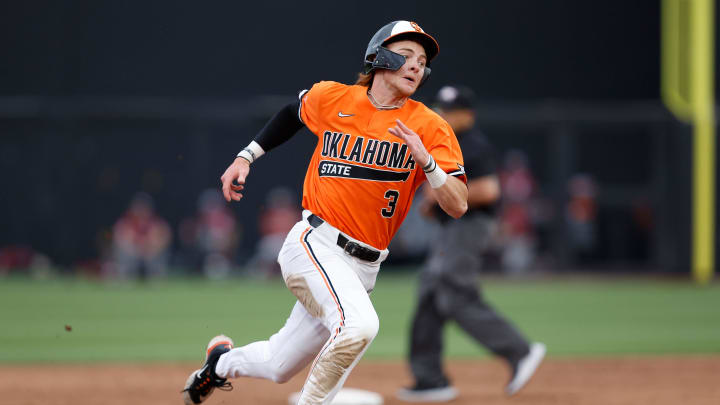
(526, 368)
(421, 393)
(203, 382)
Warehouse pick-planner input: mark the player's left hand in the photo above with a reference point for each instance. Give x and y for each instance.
(413, 141)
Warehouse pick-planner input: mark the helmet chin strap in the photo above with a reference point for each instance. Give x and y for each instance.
(387, 59)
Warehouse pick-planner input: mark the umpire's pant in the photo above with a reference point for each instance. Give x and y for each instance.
(449, 291)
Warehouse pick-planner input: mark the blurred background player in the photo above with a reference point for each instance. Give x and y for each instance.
(210, 238)
(140, 243)
(518, 214)
(276, 218)
(448, 280)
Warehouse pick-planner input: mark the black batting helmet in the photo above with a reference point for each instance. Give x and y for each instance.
(379, 57)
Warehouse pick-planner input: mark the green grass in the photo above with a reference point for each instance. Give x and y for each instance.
(172, 321)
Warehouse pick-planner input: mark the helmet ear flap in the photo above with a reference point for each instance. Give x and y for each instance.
(426, 76)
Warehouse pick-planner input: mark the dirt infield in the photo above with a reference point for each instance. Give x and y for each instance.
(690, 380)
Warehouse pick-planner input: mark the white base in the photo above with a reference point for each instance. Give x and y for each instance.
(348, 396)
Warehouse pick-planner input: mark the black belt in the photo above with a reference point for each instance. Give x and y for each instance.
(352, 248)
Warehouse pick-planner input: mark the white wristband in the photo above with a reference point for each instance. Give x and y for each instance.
(435, 176)
(251, 152)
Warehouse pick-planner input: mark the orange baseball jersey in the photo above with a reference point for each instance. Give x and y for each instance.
(361, 178)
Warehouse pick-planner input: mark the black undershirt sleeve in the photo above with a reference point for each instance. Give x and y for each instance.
(281, 127)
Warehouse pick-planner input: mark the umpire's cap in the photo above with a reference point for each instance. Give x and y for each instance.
(454, 98)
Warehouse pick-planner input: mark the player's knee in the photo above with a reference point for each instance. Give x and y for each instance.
(283, 371)
(365, 330)
(350, 345)
(282, 376)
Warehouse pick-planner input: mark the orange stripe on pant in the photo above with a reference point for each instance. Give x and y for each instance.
(322, 274)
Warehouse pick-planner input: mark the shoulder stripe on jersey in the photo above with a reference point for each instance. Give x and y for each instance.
(459, 172)
(300, 97)
(328, 168)
(323, 273)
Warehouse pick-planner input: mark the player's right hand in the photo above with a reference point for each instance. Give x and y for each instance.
(233, 180)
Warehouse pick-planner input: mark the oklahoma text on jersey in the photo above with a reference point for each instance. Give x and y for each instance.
(374, 152)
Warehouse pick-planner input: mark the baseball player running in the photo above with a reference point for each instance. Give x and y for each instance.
(448, 280)
(375, 147)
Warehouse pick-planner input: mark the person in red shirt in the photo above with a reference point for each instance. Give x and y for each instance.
(141, 242)
(375, 147)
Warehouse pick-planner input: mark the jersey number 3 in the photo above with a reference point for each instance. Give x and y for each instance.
(391, 195)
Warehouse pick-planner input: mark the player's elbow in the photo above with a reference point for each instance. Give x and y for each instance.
(457, 210)
(461, 210)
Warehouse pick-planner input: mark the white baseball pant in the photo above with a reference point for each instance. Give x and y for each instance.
(333, 320)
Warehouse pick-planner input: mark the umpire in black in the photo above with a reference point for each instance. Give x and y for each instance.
(449, 288)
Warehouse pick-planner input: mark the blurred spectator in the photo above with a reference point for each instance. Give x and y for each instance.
(212, 236)
(140, 242)
(15, 257)
(517, 235)
(277, 217)
(23, 259)
(581, 216)
(643, 223)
